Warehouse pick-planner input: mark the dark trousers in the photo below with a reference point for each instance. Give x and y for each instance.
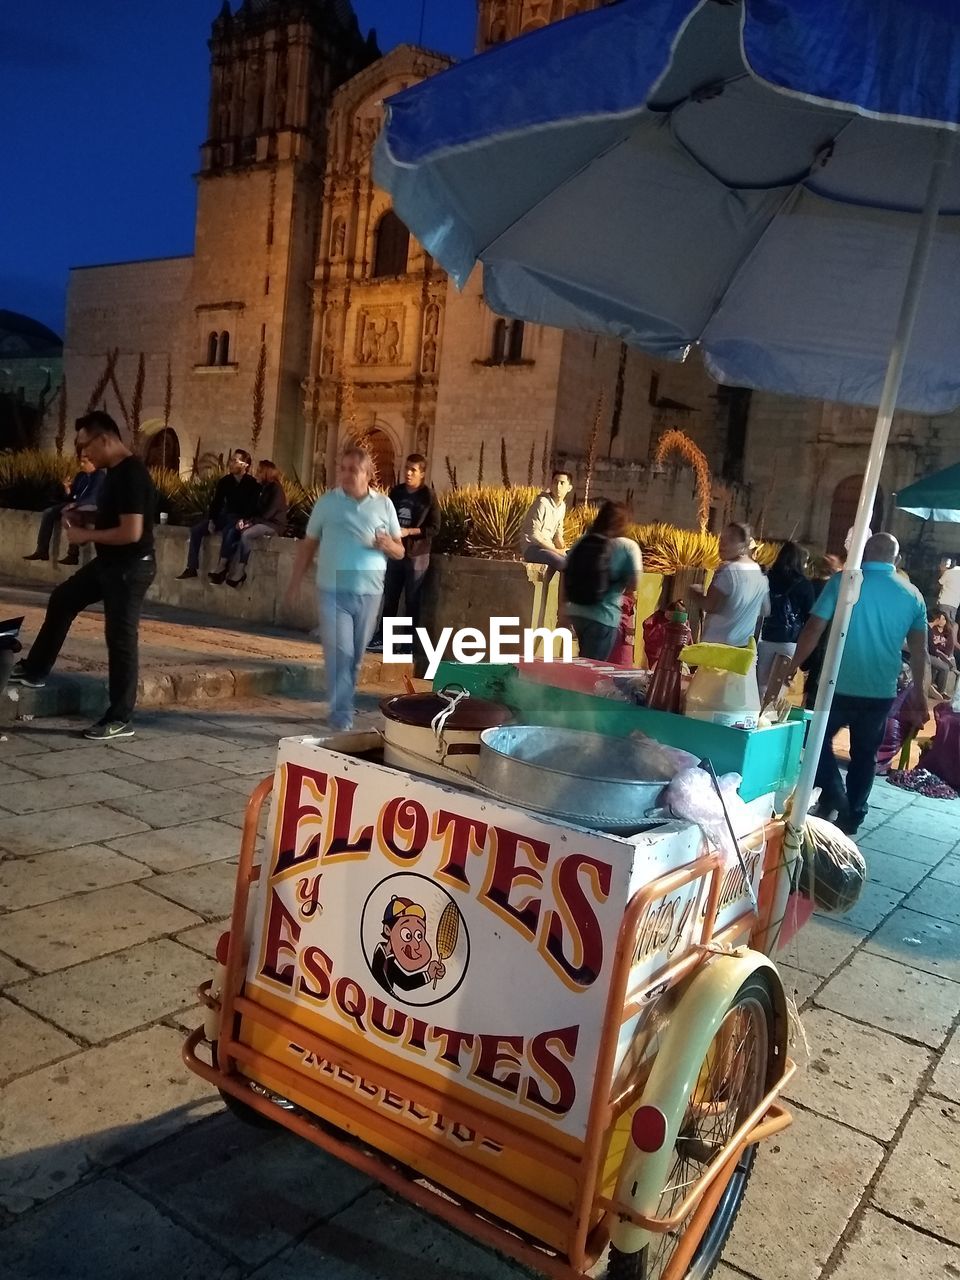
(404, 578)
(48, 522)
(594, 640)
(866, 718)
(223, 524)
(122, 589)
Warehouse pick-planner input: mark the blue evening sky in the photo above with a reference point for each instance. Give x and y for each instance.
(103, 104)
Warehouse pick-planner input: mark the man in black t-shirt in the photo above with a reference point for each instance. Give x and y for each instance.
(418, 513)
(119, 575)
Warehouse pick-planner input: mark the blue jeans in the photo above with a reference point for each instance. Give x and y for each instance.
(223, 524)
(347, 623)
(535, 554)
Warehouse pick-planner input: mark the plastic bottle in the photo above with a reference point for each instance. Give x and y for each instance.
(664, 691)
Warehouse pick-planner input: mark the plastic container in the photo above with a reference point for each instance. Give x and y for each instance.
(722, 696)
(665, 688)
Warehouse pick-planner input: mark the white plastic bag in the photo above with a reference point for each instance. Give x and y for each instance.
(691, 795)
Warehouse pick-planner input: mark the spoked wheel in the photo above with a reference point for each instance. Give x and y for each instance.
(738, 1070)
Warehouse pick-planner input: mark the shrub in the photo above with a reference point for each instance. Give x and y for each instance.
(30, 479)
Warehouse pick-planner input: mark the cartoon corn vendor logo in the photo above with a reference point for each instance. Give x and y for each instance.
(421, 953)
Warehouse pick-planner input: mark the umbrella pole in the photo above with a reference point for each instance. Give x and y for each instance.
(852, 574)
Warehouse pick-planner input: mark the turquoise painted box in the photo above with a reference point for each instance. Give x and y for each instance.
(767, 759)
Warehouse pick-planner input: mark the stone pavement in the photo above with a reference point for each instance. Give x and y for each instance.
(116, 873)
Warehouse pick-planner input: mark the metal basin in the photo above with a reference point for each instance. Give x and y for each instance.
(568, 776)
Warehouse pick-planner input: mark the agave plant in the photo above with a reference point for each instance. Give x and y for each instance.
(668, 550)
(29, 478)
(578, 520)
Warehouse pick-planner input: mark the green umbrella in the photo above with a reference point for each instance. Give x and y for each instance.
(935, 497)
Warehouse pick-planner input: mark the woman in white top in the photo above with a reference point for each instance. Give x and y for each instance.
(738, 596)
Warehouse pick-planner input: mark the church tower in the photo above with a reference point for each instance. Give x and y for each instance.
(500, 20)
(274, 67)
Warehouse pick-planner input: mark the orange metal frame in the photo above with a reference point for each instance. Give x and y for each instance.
(585, 1242)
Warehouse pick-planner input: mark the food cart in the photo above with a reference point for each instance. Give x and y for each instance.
(556, 1038)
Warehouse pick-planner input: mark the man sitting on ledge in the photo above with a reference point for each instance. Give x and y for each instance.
(541, 541)
(235, 498)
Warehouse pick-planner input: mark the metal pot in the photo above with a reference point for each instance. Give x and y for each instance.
(569, 776)
(438, 733)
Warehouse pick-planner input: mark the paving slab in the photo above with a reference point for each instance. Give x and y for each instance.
(882, 1249)
(61, 793)
(15, 744)
(174, 848)
(821, 946)
(106, 997)
(207, 890)
(105, 1231)
(919, 941)
(946, 1078)
(173, 808)
(203, 1176)
(63, 764)
(915, 822)
(244, 783)
(798, 985)
(255, 762)
(893, 872)
(10, 776)
(894, 997)
(63, 828)
(858, 1075)
(886, 797)
(236, 819)
(81, 928)
(948, 870)
(937, 898)
(921, 1182)
(900, 843)
(60, 734)
(382, 1239)
(163, 775)
(177, 746)
(875, 903)
(204, 937)
(27, 1042)
(98, 1107)
(11, 972)
(27, 882)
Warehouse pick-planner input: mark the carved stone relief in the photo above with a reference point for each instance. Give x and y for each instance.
(380, 335)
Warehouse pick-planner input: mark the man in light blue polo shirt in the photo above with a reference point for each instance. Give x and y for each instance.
(889, 616)
(351, 533)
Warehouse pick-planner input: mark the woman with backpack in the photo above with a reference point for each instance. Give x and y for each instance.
(601, 566)
(792, 597)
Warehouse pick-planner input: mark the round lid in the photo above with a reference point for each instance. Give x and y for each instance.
(420, 709)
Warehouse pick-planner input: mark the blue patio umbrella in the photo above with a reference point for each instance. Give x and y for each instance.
(935, 497)
(758, 179)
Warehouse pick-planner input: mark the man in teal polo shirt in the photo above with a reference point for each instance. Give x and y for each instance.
(889, 616)
(352, 531)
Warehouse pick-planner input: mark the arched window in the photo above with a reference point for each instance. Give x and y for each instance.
(391, 247)
(212, 342)
(515, 342)
(499, 352)
(223, 349)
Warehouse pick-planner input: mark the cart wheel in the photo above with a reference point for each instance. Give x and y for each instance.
(738, 1070)
(248, 1115)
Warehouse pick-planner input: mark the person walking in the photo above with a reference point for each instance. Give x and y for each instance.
(351, 533)
(119, 575)
(948, 598)
(541, 539)
(888, 613)
(738, 596)
(234, 499)
(419, 515)
(270, 519)
(601, 567)
(81, 494)
(791, 600)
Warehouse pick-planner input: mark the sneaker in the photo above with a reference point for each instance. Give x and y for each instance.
(218, 579)
(37, 555)
(107, 730)
(375, 646)
(19, 676)
(187, 573)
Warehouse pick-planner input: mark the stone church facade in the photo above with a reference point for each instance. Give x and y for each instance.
(305, 294)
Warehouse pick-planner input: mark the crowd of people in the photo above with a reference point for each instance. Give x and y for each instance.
(370, 550)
